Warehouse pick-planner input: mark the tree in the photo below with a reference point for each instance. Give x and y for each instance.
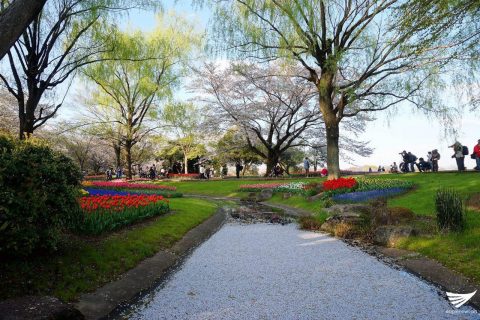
(233, 147)
(130, 90)
(274, 111)
(354, 52)
(8, 115)
(184, 120)
(14, 20)
(59, 41)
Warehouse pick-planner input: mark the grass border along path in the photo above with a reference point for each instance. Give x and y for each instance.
(84, 265)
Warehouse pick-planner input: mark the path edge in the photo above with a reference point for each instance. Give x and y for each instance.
(100, 303)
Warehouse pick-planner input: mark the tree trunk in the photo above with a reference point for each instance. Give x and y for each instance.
(128, 151)
(15, 19)
(185, 163)
(118, 154)
(333, 158)
(272, 161)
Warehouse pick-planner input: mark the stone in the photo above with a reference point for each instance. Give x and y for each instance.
(287, 195)
(264, 195)
(38, 307)
(315, 197)
(344, 218)
(343, 208)
(390, 235)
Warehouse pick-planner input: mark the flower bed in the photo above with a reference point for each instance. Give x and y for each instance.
(340, 183)
(107, 212)
(125, 185)
(293, 187)
(115, 192)
(361, 196)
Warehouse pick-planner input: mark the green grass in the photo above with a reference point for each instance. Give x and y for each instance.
(297, 202)
(458, 251)
(222, 188)
(421, 200)
(84, 265)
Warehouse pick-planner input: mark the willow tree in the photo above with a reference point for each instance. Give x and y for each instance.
(184, 121)
(132, 89)
(353, 51)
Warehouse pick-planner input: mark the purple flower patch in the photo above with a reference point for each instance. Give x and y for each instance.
(362, 196)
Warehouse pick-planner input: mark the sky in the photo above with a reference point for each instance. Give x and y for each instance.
(388, 134)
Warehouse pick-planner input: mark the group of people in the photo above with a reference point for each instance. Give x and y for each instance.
(431, 163)
(410, 162)
(118, 173)
(306, 167)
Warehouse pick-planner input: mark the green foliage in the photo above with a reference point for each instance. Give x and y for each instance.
(450, 210)
(38, 190)
(101, 221)
(367, 184)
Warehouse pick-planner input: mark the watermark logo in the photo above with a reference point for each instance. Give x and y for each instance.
(459, 299)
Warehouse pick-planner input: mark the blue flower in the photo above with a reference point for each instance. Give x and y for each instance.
(108, 192)
(361, 196)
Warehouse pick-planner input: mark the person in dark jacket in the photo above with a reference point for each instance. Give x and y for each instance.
(435, 158)
(238, 169)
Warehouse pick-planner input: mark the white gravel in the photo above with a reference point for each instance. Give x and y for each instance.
(265, 271)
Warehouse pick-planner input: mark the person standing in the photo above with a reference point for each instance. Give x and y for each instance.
(476, 153)
(238, 169)
(458, 155)
(435, 158)
(306, 166)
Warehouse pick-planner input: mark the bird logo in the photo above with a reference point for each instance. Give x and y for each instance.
(459, 299)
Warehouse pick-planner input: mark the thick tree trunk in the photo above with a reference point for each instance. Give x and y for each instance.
(333, 155)
(185, 163)
(15, 19)
(128, 151)
(272, 161)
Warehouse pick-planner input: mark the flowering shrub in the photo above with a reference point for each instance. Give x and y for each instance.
(106, 212)
(125, 185)
(361, 196)
(340, 183)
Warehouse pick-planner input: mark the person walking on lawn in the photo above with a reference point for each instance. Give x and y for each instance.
(459, 155)
(476, 153)
(306, 166)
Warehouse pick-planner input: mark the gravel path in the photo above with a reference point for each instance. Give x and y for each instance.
(265, 271)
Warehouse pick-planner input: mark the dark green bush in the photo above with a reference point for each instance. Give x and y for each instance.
(450, 210)
(38, 190)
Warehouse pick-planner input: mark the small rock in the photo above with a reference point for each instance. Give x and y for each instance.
(287, 195)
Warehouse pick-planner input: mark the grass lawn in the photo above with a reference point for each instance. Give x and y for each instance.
(223, 188)
(84, 264)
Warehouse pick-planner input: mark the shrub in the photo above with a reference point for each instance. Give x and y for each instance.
(38, 190)
(449, 209)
